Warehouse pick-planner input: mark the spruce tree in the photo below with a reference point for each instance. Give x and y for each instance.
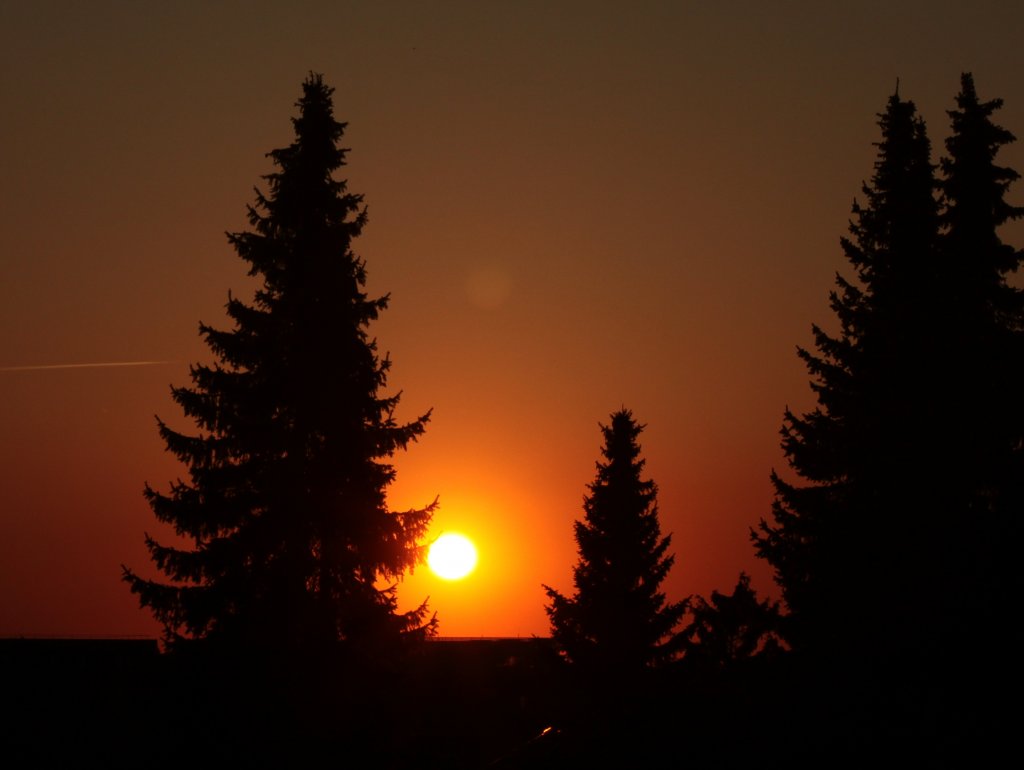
(848, 543)
(731, 628)
(286, 529)
(618, 620)
(985, 328)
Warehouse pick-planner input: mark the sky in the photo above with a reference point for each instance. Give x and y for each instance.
(574, 207)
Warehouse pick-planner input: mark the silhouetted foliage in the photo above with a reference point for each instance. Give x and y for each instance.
(730, 628)
(984, 333)
(285, 503)
(618, 619)
(879, 548)
(830, 538)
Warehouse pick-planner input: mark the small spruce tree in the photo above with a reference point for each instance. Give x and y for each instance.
(730, 628)
(618, 620)
(285, 505)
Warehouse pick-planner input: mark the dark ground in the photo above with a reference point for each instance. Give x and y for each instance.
(504, 703)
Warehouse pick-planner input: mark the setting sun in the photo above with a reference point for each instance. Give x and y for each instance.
(452, 556)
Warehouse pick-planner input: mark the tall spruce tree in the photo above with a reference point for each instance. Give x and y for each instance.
(618, 619)
(285, 505)
(848, 545)
(985, 328)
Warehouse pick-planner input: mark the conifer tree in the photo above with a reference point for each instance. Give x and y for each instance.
(285, 504)
(867, 452)
(730, 628)
(618, 619)
(985, 329)
(985, 313)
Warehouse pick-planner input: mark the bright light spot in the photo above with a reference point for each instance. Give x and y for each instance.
(452, 556)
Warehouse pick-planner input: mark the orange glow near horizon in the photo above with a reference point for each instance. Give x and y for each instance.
(518, 552)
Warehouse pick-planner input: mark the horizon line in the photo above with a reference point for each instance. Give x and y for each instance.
(101, 637)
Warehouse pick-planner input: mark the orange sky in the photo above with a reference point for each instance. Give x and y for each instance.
(573, 208)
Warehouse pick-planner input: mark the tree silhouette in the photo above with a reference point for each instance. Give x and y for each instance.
(285, 505)
(618, 619)
(985, 331)
(878, 547)
(864, 452)
(730, 628)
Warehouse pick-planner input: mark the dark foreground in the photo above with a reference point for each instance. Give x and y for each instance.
(484, 703)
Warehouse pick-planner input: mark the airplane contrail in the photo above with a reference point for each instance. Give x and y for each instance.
(81, 366)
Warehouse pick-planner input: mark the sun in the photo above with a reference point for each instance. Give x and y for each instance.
(452, 556)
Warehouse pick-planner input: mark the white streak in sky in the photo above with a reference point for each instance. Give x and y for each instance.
(81, 366)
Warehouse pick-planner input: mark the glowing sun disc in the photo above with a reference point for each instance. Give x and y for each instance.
(451, 556)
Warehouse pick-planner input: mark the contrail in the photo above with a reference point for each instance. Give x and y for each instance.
(81, 366)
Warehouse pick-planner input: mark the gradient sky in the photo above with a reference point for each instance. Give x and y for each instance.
(574, 207)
